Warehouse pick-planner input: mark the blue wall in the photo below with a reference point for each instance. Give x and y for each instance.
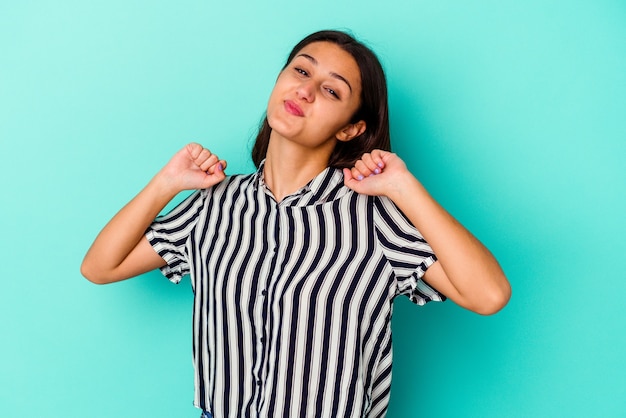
(511, 113)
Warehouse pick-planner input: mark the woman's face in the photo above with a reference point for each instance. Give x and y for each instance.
(315, 97)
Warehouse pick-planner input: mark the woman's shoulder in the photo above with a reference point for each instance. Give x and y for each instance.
(230, 184)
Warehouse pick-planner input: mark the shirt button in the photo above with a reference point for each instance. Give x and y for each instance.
(264, 292)
(258, 382)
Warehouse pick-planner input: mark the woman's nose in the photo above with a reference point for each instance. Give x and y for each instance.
(306, 91)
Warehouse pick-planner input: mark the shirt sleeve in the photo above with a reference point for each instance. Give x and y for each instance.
(407, 252)
(169, 235)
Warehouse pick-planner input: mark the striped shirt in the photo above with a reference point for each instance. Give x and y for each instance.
(292, 300)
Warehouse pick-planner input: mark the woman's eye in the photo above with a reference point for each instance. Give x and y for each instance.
(301, 71)
(332, 92)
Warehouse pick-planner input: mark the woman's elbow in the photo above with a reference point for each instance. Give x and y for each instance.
(92, 274)
(495, 299)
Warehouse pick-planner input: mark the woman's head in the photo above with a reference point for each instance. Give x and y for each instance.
(373, 109)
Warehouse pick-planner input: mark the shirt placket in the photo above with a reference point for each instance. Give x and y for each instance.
(262, 327)
(276, 255)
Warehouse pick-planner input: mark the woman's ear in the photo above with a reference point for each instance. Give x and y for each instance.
(351, 131)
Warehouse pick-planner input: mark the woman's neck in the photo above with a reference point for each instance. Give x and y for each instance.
(289, 167)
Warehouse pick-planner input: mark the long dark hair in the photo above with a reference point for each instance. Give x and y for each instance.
(374, 109)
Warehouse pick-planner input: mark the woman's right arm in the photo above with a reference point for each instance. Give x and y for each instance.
(121, 250)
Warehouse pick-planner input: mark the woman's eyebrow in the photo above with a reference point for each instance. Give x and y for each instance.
(334, 75)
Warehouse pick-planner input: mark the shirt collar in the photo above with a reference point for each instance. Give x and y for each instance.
(327, 185)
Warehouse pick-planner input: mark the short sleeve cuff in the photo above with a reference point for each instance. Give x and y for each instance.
(417, 289)
(176, 266)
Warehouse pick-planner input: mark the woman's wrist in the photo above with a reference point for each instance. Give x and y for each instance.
(163, 187)
(405, 186)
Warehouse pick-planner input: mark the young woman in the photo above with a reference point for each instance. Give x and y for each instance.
(295, 267)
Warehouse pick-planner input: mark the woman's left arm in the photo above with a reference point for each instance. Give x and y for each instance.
(466, 271)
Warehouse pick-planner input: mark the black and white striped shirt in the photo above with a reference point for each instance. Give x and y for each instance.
(293, 300)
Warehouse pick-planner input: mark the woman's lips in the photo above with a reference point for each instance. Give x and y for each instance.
(292, 108)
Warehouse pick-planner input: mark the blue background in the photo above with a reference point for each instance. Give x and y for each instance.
(511, 113)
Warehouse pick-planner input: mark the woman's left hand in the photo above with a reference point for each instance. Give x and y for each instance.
(379, 173)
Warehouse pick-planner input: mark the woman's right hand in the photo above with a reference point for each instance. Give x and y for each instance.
(193, 167)
(121, 250)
